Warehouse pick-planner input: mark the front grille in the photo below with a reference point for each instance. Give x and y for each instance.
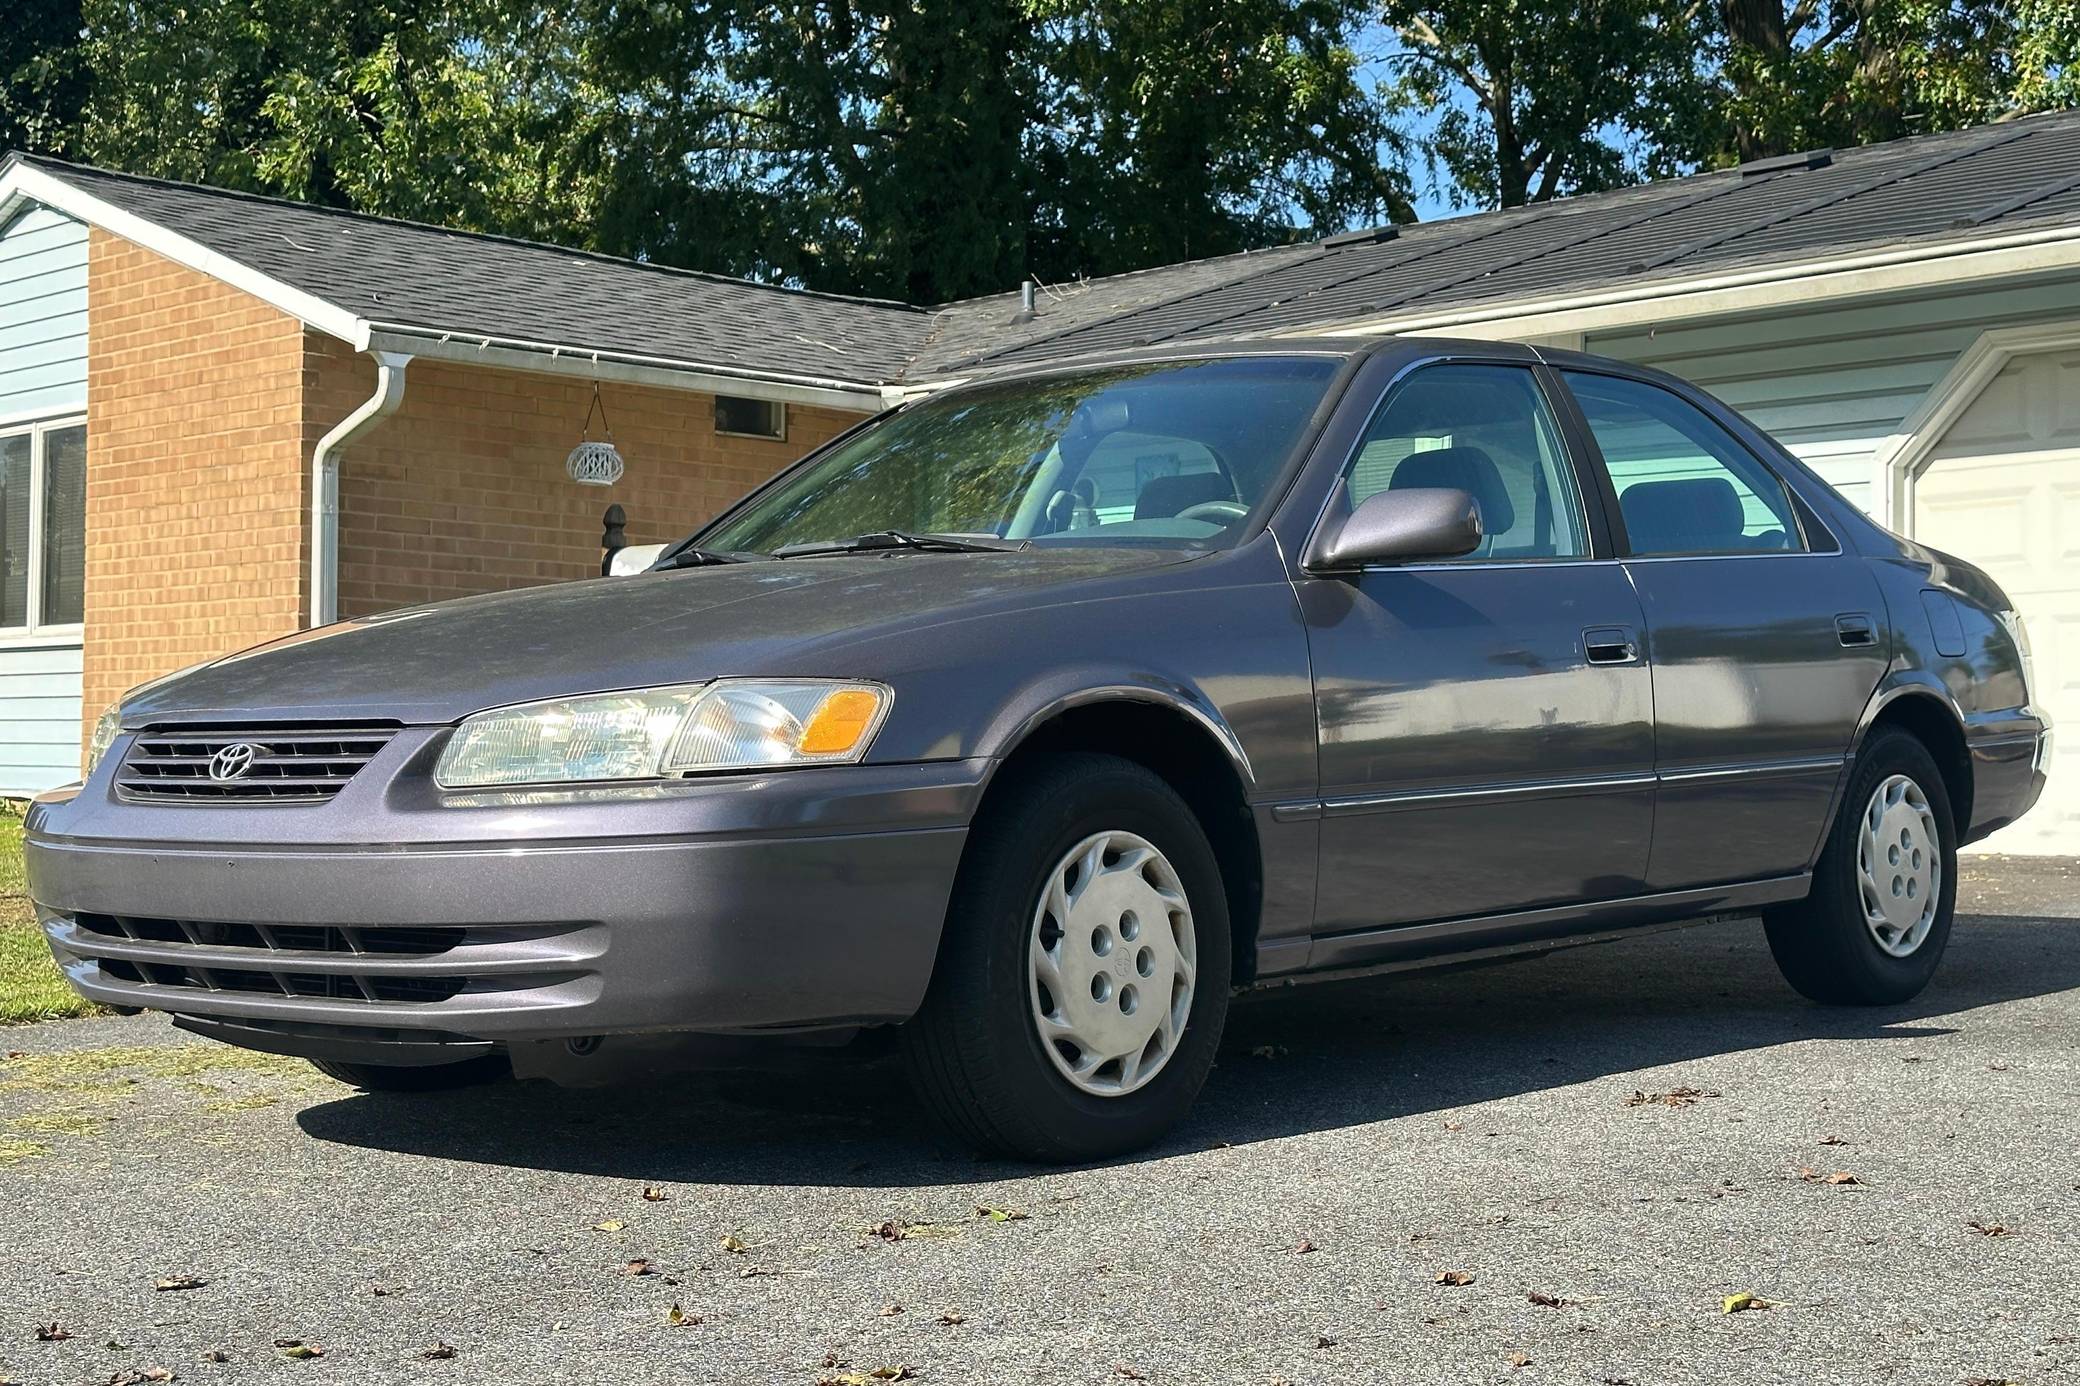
(284, 764)
(359, 962)
(389, 939)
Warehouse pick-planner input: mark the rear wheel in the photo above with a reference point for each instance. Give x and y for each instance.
(469, 1073)
(1082, 986)
(1878, 919)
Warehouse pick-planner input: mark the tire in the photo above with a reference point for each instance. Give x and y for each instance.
(468, 1073)
(975, 1051)
(1826, 945)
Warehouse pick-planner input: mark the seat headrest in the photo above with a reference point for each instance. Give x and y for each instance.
(1692, 515)
(1164, 496)
(1462, 468)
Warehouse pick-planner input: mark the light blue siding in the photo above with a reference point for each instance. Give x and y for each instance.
(39, 718)
(1833, 384)
(43, 374)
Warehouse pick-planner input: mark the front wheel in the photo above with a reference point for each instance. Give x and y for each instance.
(1082, 985)
(1878, 919)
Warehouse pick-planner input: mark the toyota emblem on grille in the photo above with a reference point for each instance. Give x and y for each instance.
(232, 762)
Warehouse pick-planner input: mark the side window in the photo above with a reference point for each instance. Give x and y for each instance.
(1485, 430)
(1685, 485)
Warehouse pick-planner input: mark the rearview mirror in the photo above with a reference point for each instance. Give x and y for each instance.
(1397, 527)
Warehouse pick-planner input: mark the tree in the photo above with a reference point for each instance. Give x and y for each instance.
(1776, 76)
(43, 83)
(1530, 92)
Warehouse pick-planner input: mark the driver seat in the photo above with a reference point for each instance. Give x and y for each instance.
(1167, 496)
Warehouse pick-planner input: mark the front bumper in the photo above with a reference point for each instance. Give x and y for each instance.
(394, 917)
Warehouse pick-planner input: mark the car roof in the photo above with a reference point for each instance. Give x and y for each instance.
(1344, 348)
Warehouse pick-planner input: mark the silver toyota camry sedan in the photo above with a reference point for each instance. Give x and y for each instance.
(1036, 717)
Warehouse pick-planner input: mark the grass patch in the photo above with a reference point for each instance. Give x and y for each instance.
(30, 985)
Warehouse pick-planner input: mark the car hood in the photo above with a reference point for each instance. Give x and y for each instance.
(431, 665)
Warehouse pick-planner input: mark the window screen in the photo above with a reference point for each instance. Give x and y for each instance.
(14, 529)
(1485, 430)
(1685, 485)
(64, 526)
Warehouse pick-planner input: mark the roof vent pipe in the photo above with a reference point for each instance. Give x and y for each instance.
(388, 395)
(1027, 304)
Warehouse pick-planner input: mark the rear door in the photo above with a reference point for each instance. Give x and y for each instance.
(1765, 640)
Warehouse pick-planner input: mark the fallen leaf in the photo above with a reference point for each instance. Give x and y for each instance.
(889, 1311)
(180, 1282)
(1991, 1381)
(1520, 1359)
(1323, 1340)
(52, 1333)
(303, 1352)
(381, 1291)
(1990, 1229)
(216, 1355)
(1452, 1277)
(1674, 1097)
(654, 1195)
(891, 1373)
(1305, 1248)
(733, 1244)
(1546, 1301)
(439, 1352)
(1832, 1140)
(135, 1378)
(1996, 1068)
(904, 1231)
(1001, 1214)
(1455, 1126)
(1127, 1372)
(639, 1266)
(679, 1318)
(610, 1225)
(1840, 1178)
(953, 1318)
(1743, 1302)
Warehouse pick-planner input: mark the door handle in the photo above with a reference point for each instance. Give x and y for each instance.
(1856, 629)
(1610, 645)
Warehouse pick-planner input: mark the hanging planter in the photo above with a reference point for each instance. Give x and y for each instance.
(595, 462)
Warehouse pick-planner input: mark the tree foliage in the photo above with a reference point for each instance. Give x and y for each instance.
(927, 149)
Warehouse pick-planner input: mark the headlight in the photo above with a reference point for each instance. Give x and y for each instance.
(654, 733)
(106, 728)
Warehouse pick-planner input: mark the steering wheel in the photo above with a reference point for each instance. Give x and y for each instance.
(1216, 512)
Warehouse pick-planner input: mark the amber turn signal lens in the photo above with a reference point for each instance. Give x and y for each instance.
(839, 722)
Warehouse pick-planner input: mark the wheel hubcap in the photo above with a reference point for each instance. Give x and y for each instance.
(1112, 963)
(1898, 866)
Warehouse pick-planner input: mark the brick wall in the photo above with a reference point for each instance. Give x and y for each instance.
(462, 490)
(196, 527)
(204, 406)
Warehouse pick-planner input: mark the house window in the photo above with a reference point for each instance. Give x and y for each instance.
(43, 525)
(750, 418)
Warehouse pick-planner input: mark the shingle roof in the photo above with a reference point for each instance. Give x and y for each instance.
(1981, 182)
(1967, 184)
(449, 281)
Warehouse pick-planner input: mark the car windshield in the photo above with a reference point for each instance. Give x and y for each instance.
(1171, 452)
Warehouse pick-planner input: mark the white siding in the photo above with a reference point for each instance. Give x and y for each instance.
(43, 373)
(1832, 384)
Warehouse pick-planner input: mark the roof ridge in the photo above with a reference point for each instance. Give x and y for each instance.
(61, 167)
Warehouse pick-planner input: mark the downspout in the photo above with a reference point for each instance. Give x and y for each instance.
(325, 481)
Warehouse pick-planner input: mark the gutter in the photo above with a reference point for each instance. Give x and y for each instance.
(325, 481)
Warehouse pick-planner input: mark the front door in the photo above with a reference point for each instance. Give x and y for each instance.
(1766, 642)
(1486, 732)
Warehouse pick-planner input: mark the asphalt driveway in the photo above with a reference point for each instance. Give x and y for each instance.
(1552, 1171)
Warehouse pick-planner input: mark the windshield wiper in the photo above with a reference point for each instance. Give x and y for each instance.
(691, 556)
(900, 539)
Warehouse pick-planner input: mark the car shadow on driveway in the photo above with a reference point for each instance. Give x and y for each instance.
(1294, 1060)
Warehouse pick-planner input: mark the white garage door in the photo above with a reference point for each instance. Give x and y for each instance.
(2004, 493)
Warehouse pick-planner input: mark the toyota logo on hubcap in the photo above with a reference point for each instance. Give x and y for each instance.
(232, 762)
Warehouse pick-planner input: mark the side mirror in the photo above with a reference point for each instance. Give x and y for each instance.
(1397, 527)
